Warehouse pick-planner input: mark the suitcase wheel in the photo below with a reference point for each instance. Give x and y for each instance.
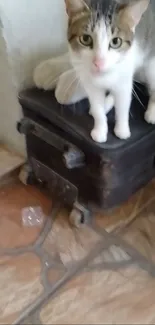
(26, 175)
(79, 216)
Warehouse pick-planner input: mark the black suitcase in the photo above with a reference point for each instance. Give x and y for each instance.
(87, 175)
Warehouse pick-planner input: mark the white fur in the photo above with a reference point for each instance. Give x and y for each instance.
(69, 89)
(117, 77)
(57, 73)
(150, 79)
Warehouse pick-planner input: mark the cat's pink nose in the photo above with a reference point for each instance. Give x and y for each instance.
(99, 63)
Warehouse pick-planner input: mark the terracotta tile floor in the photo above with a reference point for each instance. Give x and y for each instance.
(56, 274)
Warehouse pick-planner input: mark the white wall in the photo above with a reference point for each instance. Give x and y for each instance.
(10, 110)
(33, 30)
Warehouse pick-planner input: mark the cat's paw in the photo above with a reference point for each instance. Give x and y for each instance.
(122, 132)
(150, 115)
(99, 134)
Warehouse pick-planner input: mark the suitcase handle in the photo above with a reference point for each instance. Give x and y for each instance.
(72, 156)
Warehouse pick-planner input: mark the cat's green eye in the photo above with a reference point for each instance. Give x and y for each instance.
(86, 40)
(116, 43)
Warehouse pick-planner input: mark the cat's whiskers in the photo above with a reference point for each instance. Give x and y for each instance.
(138, 88)
(137, 97)
(68, 88)
(55, 81)
(137, 81)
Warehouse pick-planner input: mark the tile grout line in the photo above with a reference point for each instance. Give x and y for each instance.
(50, 221)
(99, 247)
(132, 218)
(113, 239)
(124, 223)
(137, 257)
(112, 266)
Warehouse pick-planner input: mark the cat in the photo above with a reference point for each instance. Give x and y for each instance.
(111, 43)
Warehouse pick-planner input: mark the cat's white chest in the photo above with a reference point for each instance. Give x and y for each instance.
(104, 81)
(107, 81)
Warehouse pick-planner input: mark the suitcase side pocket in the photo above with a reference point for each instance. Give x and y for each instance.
(72, 156)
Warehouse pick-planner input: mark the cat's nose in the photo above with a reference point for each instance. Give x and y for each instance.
(99, 63)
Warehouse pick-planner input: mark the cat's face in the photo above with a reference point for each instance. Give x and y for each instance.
(101, 32)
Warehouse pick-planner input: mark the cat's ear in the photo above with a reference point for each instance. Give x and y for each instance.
(75, 6)
(133, 12)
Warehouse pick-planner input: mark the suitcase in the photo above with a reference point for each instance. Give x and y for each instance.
(86, 175)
